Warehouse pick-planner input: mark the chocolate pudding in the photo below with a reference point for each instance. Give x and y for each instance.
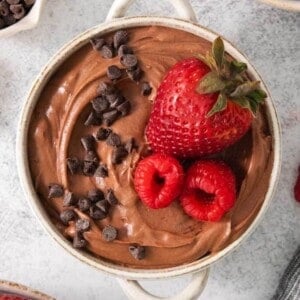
(170, 237)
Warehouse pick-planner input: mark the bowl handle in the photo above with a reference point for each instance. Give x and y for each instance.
(183, 8)
(193, 290)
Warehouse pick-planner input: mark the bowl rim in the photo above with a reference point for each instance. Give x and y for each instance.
(10, 287)
(289, 5)
(22, 155)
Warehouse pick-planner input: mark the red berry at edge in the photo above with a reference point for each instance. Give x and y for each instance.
(158, 180)
(209, 190)
(11, 297)
(297, 187)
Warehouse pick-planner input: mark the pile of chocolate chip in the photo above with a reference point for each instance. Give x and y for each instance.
(106, 108)
(117, 47)
(11, 11)
(91, 165)
(96, 204)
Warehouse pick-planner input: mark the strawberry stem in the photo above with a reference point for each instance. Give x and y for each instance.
(228, 77)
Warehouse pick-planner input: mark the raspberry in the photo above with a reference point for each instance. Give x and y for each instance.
(209, 190)
(297, 187)
(158, 180)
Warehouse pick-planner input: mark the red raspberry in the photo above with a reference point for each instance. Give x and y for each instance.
(209, 190)
(158, 180)
(297, 187)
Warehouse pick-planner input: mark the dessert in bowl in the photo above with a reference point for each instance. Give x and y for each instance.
(54, 142)
(87, 135)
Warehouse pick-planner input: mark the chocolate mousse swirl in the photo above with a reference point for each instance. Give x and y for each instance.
(171, 237)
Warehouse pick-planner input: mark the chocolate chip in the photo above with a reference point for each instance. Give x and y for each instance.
(103, 133)
(118, 155)
(101, 171)
(67, 215)
(97, 43)
(9, 19)
(82, 225)
(113, 140)
(18, 10)
(107, 51)
(79, 241)
(106, 88)
(103, 205)
(146, 89)
(69, 199)
(135, 74)
(74, 165)
(124, 108)
(110, 117)
(138, 252)
(55, 191)
(28, 2)
(130, 145)
(111, 97)
(129, 61)
(109, 233)
(93, 119)
(118, 101)
(2, 23)
(88, 142)
(91, 156)
(120, 38)
(84, 204)
(89, 168)
(113, 72)
(96, 213)
(100, 104)
(111, 198)
(95, 195)
(123, 49)
(4, 8)
(11, 2)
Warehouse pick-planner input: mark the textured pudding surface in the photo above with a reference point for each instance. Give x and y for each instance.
(170, 236)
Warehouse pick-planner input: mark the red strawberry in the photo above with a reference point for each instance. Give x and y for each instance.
(158, 180)
(191, 115)
(10, 297)
(297, 187)
(209, 191)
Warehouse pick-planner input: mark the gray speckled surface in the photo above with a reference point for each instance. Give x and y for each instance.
(28, 255)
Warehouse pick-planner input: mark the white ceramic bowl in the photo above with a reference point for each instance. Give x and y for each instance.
(28, 22)
(291, 5)
(7, 287)
(129, 275)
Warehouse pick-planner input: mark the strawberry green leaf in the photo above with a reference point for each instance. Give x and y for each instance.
(218, 52)
(210, 83)
(228, 77)
(226, 70)
(208, 60)
(243, 102)
(238, 67)
(220, 105)
(257, 95)
(244, 89)
(254, 106)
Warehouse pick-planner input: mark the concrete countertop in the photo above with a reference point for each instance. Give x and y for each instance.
(28, 255)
